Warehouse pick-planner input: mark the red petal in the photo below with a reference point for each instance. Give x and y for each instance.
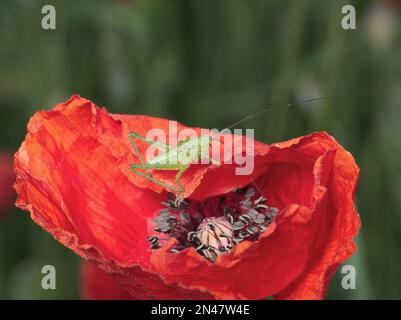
(98, 285)
(68, 177)
(73, 176)
(7, 194)
(300, 176)
(338, 226)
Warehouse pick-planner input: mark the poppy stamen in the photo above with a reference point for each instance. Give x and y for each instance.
(215, 226)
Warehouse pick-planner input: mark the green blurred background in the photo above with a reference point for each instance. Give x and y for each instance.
(210, 63)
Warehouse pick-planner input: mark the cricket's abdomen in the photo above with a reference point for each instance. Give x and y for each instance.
(167, 161)
(176, 157)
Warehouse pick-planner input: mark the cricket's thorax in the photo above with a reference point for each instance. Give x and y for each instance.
(216, 225)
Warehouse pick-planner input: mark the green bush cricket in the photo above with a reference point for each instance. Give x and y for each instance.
(176, 158)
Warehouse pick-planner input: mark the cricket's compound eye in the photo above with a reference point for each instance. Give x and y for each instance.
(213, 227)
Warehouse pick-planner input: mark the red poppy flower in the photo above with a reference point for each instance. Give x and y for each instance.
(7, 194)
(96, 284)
(286, 226)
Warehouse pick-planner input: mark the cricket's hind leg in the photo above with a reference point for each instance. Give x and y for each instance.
(179, 190)
(180, 193)
(133, 135)
(135, 167)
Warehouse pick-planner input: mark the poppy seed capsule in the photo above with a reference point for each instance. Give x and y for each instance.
(216, 234)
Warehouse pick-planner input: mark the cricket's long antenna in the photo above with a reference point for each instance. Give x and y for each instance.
(286, 105)
(277, 107)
